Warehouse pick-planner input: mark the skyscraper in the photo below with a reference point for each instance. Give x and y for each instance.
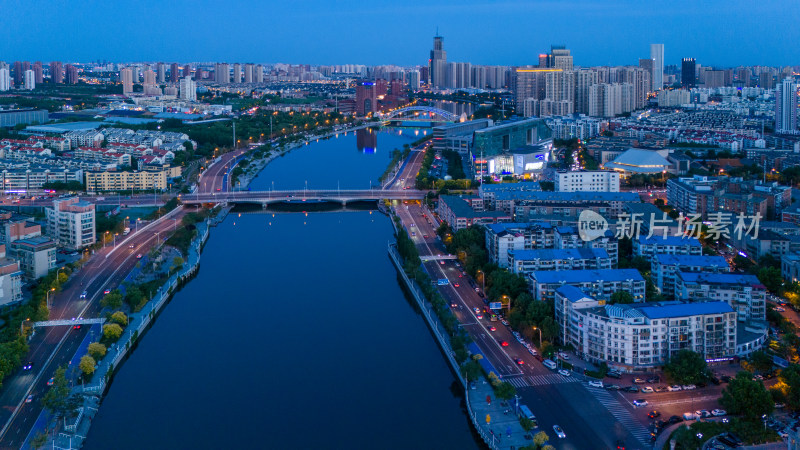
(188, 89)
(647, 64)
(786, 107)
(437, 64)
(126, 75)
(222, 74)
(18, 73)
(173, 73)
(248, 73)
(559, 57)
(71, 73)
(259, 73)
(38, 72)
(162, 73)
(56, 72)
(187, 70)
(149, 77)
(688, 78)
(30, 80)
(237, 73)
(657, 75)
(5, 79)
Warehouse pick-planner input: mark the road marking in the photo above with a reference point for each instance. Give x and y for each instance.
(621, 413)
(685, 400)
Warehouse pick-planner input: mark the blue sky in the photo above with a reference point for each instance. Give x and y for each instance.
(400, 32)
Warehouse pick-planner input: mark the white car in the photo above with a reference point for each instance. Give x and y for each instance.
(596, 383)
(559, 432)
(689, 387)
(564, 372)
(674, 388)
(640, 402)
(563, 355)
(647, 390)
(718, 412)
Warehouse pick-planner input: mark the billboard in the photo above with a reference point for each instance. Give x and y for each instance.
(495, 305)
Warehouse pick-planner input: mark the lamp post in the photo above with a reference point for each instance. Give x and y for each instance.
(540, 335)
(48, 296)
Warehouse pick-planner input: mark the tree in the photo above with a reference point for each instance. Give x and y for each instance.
(177, 261)
(112, 300)
(120, 318)
(56, 397)
(87, 365)
(547, 185)
(97, 350)
(621, 297)
(471, 370)
(790, 378)
(540, 438)
(771, 278)
(112, 332)
(39, 440)
(687, 367)
(747, 397)
(134, 296)
(505, 391)
(761, 361)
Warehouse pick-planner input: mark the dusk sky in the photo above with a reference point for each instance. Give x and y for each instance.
(715, 32)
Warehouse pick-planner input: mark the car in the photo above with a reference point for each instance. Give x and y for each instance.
(492, 328)
(476, 310)
(107, 291)
(660, 388)
(714, 380)
(631, 388)
(563, 355)
(504, 322)
(76, 327)
(596, 383)
(480, 294)
(675, 419)
(538, 357)
(725, 378)
(139, 256)
(674, 388)
(653, 380)
(639, 402)
(504, 343)
(29, 398)
(51, 381)
(564, 372)
(131, 246)
(638, 381)
(647, 390)
(456, 285)
(479, 316)
(559, 432)
(702, 413)
(689, 387)
(689, 416)
(413, 233)
(519, 361)
(613, 387)
(219, 189)
(426, 237)
(84, 294)
(718, 412)
(620, 445)
(28, 366)
(758, 377)
(412, 225)
(614, 374)
(653, 414)
(780, 309)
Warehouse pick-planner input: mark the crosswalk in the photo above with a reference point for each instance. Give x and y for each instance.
(539, 380)
(621, 413)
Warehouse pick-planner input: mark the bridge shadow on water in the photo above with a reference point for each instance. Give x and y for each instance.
(309, 206)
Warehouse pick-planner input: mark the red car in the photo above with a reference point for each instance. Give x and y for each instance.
(456, 285)
(504, 343)
(519, 361)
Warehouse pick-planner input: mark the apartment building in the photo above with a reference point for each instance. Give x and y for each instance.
(670, 245)
(639, 337)
(745, 293)
(526, 261)
(71, 223)
(569, 237)
(664, 268)
(599, 284)
(36, 255)
(145, 180)
(501, 238)
(460, 213)
(10, 279)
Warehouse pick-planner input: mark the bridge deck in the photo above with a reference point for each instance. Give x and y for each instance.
(303, 195)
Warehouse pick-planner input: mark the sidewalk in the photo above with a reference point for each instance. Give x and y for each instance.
(503, 430)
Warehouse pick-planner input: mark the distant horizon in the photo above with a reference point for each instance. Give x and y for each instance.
(508, 32)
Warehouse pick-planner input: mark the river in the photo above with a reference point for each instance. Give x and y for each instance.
(295, 334)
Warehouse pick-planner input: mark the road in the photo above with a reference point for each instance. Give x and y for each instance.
(50, 347)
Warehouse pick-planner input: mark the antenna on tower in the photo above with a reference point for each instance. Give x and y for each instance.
(437, 30)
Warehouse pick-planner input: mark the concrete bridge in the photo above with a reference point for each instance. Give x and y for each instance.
(303, 196)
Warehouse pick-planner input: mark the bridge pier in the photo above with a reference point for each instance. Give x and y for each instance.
(344, 203)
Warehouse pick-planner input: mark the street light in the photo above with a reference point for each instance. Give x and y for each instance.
(540, 335)
(48, 296)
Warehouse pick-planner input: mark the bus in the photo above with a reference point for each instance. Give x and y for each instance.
(525, 412)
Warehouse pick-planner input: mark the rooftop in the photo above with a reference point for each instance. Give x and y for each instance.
(562, 254)
(639, 161)
(461, 208)
(691, 260)
(667, 310)
(572, 293)
(720, 278)
(569, 196)
(498, 228)
(669, 240)
(579, 276)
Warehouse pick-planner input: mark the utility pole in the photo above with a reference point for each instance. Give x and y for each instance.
(234, 135)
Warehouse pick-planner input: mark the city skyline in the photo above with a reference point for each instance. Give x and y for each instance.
(184, 32)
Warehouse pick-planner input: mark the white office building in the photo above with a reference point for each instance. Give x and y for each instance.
(657, 55)
(582, 181)
(71, 223)
(188, 90)
(5, 79)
